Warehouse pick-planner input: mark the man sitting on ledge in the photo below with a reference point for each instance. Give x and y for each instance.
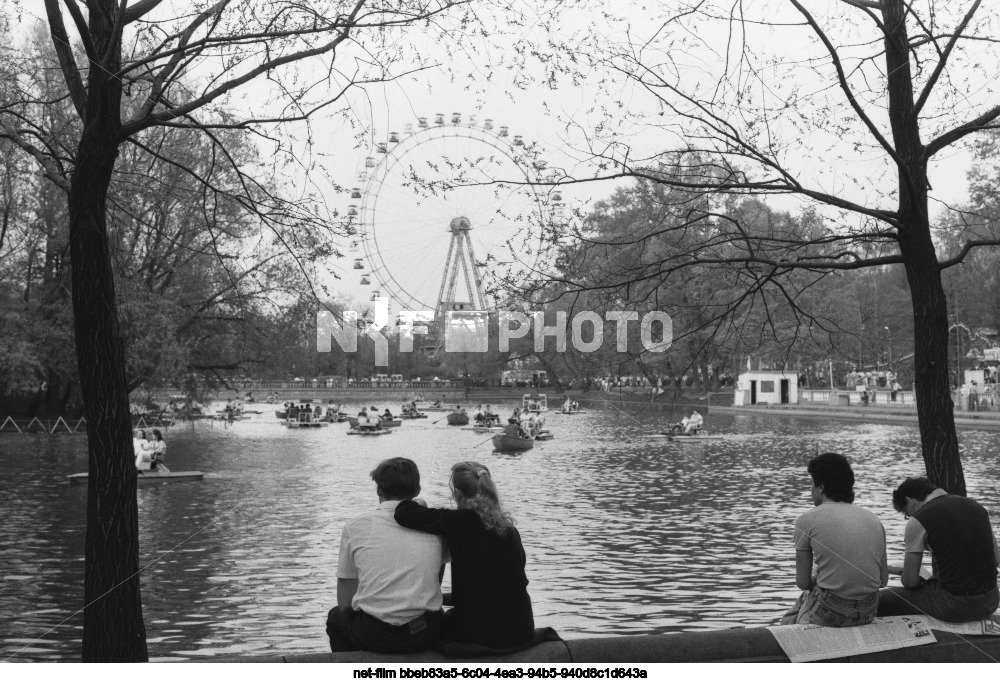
(965, 556)
(847, 542)
(388, 577)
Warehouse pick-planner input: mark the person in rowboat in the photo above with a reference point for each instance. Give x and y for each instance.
(143, 451)
(492, 607)
(694, 424)
(514, 430)
(158, 449)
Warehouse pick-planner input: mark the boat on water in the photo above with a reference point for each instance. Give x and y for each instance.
(484, 429)
(545, 435)
(688, 438)
(458, 419)
(305, 420)
(504, 443)
(413, 415)
(576, 411)
(368, 431)
(147, 477)
(536, 404)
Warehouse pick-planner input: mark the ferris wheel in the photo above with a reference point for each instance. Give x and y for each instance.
(452, 211)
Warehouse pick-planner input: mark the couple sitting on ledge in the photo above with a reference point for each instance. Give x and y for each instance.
(392, 561)
(847, 545)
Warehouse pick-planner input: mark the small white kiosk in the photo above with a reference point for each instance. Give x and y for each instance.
(767, 388)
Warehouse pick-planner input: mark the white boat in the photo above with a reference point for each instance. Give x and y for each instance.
(684, 438)
(146, 477)
(536, 404)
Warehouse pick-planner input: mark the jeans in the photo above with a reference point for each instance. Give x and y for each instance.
(820, 607)
(358, 631)
(930, 599)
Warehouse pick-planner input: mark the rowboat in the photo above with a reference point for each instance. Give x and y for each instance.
(484, 429)
(146, 477)
(545, 435)
(561, 411)
(418, 415)
(368, 431)
(505, 443)
(458, 419)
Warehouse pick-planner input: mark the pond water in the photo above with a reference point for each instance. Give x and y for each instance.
(624, 534)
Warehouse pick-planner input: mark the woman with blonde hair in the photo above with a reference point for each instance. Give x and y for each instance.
(489, 587)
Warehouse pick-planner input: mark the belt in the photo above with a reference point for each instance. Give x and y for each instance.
(418, 624)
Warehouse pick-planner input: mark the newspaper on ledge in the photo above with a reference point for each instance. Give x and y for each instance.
(802, 643)
(988, 627)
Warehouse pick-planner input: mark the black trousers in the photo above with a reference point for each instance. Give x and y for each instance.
(357, 630)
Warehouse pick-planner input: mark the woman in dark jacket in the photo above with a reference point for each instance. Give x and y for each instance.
(489, 588)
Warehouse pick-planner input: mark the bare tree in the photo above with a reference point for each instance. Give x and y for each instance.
(129, 67)
(771, 98)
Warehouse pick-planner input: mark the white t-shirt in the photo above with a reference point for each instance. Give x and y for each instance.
(143, 454)
(396, 568)
(848, 547)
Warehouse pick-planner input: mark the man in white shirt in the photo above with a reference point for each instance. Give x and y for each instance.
(388, 577)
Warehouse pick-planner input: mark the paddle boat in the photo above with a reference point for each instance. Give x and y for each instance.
(570, 407)
(536, 404)
(147, 477)
(701, 436)
(382, 423)
(504, 443)
(305, 420)
(368, 430)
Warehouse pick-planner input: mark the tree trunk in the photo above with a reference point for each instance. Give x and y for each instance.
(112, 623)
(935, 411)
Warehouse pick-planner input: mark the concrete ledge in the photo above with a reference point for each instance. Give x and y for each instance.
(749, 645)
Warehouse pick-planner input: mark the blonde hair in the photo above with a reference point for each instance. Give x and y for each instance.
(473, 488)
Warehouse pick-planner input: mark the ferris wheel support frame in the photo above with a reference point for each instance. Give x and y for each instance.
(460, 228)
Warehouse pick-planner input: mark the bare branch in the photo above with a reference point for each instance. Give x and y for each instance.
(64, 51)
(844, 84)
(955, 134)
(943, 60)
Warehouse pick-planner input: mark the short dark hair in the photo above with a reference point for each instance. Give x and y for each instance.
(918, 488)
(398, 478)
(834, 473)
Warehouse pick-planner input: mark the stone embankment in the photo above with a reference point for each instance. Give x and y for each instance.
(742, 645)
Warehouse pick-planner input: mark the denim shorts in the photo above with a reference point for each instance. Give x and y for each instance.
(820, 607)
